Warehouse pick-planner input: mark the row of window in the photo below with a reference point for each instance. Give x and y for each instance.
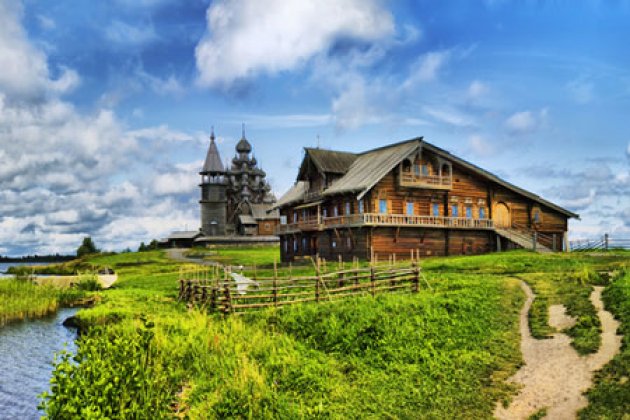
(409, 207)
(334, 244)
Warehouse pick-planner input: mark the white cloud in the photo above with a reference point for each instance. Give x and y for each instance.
(477, 89)
(479, 146)
(25, 73)
(248, 37)
(46, 22)
(526, 121)
(66, 174)
(125, 34)
(428, 66)
(449, 116)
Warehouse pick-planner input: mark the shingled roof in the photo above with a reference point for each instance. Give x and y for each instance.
(328, 161)
(371, 166)
(364, 170)
(213, 160)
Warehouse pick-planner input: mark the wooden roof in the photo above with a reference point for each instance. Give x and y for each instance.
(370, 167)
(327, 161)
(213, 159)
(366, 169)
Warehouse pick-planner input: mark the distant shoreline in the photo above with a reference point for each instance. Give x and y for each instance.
(37, 258)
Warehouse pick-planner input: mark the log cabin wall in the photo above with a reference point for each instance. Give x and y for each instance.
(267, 227)
(386, 241)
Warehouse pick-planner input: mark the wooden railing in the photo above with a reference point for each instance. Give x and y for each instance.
(426, 181)
(226, 296)
(377, 219)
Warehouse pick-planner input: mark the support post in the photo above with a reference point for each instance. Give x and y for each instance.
(606, 241)
(372, 280)
(416, 279)
(534, 240)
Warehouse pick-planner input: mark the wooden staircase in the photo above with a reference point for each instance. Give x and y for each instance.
(523, 237)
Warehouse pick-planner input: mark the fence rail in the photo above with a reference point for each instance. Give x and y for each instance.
(241, 294)
(604, 243)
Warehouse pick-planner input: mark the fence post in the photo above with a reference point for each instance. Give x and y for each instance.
(372, 280)
(606, 241)
(535, 240)
(317, 280)
(213, 298)
(227, 308)
(181, 289)
(275, 289)
(416, 279)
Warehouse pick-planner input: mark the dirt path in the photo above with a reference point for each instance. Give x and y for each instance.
(554, 375)
(178, 254)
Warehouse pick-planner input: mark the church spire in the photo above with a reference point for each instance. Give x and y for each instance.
(213, 162)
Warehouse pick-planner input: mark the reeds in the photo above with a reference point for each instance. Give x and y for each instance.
(21, 300)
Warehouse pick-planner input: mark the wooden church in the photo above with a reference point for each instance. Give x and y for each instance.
(410, 199)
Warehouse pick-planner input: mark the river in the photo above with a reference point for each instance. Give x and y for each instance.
(26, 355)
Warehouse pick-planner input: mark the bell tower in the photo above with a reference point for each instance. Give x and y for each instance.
(213, 192)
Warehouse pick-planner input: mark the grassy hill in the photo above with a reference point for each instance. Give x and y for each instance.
(441, 353)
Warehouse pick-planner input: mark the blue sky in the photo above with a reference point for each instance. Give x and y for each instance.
(106, 107)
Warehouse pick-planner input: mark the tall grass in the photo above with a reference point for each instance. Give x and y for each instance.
(22, 299)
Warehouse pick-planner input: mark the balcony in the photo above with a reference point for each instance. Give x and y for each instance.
(375, 219)
(436, 182)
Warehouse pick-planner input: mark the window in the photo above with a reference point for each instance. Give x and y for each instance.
(416, 169)
(267, 225)
(425, 170)
(482, 212)
(283, 220)
(409, 208)
(454, 210)
(468, 212)
(335, 211)
(436, 209)
(303, 214)
(303, 245)
(325, 214)
(349, 243)
(382, 206)
(334, 243)
(360, 206)
(295, 245)
(348, 208)
(295, 217)
(285, 244)
(536, 216)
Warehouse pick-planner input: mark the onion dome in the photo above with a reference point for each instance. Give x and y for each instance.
(243, 145)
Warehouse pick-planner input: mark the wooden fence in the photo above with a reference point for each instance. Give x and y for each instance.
(235, 295)
(604, 243)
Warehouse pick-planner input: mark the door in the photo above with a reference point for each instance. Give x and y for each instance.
(502, 216)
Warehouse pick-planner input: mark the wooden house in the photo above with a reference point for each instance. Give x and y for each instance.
(410, 198)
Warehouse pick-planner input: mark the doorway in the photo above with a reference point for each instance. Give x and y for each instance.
(502, 216)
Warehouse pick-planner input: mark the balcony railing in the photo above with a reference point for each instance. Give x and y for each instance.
(426, 181)
(376, 219)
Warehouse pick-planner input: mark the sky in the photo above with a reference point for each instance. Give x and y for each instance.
(106, 107)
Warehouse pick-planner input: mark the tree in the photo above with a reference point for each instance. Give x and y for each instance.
(142, 247)
(87, 247)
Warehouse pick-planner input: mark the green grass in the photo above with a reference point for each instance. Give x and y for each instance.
(21, 299)
(442, 353)
(609, 398)
(571, 290)
(242, 255)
